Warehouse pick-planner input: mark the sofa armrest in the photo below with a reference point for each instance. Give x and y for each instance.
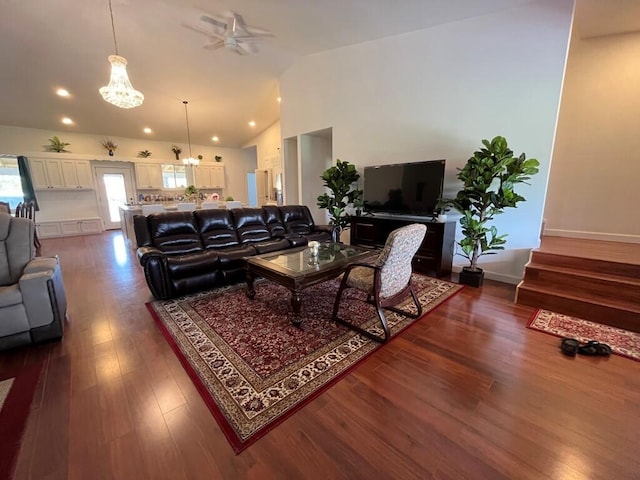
(324, 228)
(43, 293)
(156, 271)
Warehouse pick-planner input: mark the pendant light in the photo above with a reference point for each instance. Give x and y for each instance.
(120, 92)
(190, 160)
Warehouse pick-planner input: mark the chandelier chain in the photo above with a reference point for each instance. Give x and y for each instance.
(113, 28)
(186, 114)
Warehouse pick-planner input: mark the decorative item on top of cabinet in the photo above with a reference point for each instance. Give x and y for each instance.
(109, 145)
(176, 151)
(144, 154)
(57, 145)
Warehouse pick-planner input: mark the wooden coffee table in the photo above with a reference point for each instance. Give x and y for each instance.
(296, 270)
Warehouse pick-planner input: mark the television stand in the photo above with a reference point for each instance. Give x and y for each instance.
(435, 255)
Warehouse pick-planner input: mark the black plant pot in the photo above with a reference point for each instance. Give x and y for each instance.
(473, 278)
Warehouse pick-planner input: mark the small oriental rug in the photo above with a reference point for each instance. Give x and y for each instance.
(253, 368)
(622, 342)
(16, 393)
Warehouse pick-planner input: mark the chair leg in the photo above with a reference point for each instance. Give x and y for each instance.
(409, 314)
(383, 319)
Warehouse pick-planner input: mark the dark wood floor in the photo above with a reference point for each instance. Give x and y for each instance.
(468, 393)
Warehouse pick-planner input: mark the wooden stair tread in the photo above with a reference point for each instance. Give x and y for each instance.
(589, 299)
(620, 252)
(631, 281)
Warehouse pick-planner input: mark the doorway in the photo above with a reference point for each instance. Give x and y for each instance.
(115, 189)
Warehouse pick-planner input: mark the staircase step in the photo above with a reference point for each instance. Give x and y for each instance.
(574, 261)
(583, 283)
(611, 311)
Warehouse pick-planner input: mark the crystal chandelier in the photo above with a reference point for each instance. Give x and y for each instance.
(120, 92)
(190, 160)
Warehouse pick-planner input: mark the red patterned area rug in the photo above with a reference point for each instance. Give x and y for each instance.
(253, 368)
(622, 342)
(16, 393)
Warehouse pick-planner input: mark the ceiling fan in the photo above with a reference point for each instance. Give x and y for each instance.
(231, 33)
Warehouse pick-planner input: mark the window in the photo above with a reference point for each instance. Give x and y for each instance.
(174, 176)
(10, 185)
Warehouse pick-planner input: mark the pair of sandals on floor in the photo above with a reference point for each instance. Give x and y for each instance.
(571, 346)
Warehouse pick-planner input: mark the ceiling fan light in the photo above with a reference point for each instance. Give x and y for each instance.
(120, 92)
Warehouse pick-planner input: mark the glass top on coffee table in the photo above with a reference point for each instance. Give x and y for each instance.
(302, 260)
(298, 269)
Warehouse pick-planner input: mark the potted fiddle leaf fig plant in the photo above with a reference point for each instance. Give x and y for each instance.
(488, 181)
(341, 182)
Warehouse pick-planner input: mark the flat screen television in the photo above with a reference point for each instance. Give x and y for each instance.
(404, 188)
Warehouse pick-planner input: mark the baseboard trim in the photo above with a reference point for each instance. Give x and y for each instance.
(606, 237)
(498, 277)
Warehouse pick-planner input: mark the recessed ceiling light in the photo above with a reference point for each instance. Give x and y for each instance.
(147, 130)
(67, 121)
(62, 92)
(252, 123)
(215, 138)
(279, 99)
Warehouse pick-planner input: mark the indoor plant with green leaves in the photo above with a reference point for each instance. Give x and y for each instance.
(57, 145)
(341, 182)
(488, 181)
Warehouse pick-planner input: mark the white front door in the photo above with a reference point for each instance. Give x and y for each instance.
(115, 189)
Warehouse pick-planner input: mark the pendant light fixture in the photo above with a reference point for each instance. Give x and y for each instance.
(190, 160)
(120, 92)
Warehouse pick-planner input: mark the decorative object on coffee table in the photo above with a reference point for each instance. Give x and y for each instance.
(252, 387)
(488, 180)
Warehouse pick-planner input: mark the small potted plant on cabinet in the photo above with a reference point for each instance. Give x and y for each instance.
(340, 180)
(57, 145)
(488, 180)
(109, 145)
(176, 151)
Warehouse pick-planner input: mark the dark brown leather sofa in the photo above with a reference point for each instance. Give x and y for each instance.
(185, 252)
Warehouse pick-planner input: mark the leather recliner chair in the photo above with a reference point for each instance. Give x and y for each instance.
(33, 303)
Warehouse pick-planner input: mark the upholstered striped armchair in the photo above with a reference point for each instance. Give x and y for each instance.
(387, 281)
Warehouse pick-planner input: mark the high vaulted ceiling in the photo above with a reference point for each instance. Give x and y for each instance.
(48, 44)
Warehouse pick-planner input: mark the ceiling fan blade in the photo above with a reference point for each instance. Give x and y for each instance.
(215, 45)
(238, 21)
(248, 38)
(247, 48)
(213, 21)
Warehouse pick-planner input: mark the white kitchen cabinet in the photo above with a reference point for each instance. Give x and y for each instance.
(148, 176)
(209, 176)
(47, 174)
(64, 228)
(77, 174)
(48, 229)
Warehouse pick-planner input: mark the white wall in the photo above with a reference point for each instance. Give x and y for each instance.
(436, 93)
(593, 188)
